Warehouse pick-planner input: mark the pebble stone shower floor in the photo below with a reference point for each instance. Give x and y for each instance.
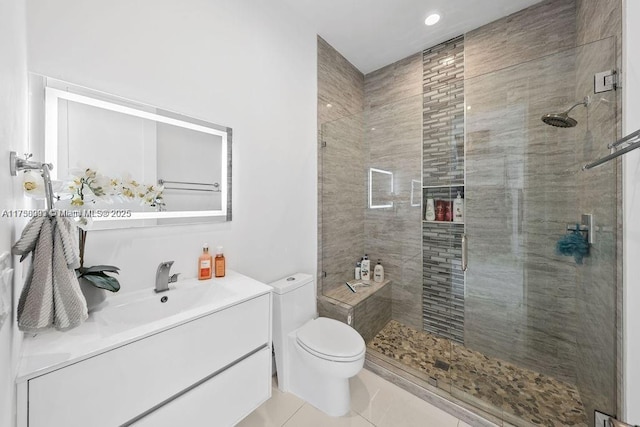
(520, 396)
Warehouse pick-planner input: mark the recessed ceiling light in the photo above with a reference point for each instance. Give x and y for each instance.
(329, 105)
(432, 19)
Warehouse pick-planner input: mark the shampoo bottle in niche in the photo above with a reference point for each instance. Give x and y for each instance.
(205, 264)
(378, 273)
(220, 266)
(430, 211)
(364, 268)
(458, 209)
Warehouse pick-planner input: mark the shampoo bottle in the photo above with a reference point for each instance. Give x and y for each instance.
(220, 266)
(378, 273)
(204, 264)
(458, 209)
(430, 211)
(358, 274)
(365, 268)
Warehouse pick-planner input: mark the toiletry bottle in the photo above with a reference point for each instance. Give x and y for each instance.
(378, 273)
(458, 209)
(448, 210)
(430, 211)
(358, 275)
(440, 210)
(365, 272)
(204, 264)
(220, 263)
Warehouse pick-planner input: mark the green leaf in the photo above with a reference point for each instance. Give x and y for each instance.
(103, 281)
(100, 268)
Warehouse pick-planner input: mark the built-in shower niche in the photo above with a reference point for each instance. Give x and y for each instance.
(367, 310)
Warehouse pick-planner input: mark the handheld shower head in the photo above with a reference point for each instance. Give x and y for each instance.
(562, 120)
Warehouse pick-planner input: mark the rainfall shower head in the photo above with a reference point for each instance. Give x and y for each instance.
(562, 120)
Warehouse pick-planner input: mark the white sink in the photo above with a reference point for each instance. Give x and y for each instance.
(148, 306)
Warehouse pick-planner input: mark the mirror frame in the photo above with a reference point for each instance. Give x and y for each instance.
(56, 90)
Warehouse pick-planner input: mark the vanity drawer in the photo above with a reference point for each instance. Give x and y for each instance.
(220, 401)
(115, 387)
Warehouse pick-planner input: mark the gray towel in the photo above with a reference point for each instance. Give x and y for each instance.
(51, 296)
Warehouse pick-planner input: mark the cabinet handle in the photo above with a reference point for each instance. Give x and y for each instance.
(464, 252)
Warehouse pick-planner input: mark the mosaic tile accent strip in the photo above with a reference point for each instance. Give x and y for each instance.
(443, 113)
(443, 280)
(443, 164)
(520, 396)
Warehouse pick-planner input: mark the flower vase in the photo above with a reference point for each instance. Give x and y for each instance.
(94, 296)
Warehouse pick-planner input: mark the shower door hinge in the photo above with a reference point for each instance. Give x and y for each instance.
(605, 81)
(323, 144)
(324, 274)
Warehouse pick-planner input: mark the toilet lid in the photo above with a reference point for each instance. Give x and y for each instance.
(330, 339)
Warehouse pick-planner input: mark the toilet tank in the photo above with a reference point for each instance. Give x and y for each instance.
(294, 303)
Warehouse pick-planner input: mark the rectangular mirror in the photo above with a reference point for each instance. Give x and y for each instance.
(132, 164)
(380, 188)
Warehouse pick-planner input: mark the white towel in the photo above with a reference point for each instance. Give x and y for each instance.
(51, 296)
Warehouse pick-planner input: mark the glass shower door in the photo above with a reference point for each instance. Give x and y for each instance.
(539, 334)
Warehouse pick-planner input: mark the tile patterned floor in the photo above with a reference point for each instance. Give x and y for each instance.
(518, 395)
(375, 402)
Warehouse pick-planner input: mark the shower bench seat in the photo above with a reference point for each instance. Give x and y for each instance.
(367, 310)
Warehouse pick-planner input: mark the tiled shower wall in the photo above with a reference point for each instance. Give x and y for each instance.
(524, 303)
(443, 164)
(393, 134)
(341, 166)
(443, 113)
(596, 370)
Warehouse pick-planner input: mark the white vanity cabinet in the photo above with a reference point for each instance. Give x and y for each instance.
(210, 370)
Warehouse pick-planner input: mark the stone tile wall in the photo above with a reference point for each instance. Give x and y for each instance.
(443, 280)
(599, 287)
(534, 32)
(342, 196)
(393, 135)
(443, 113)
(443, 164)
(521, 193)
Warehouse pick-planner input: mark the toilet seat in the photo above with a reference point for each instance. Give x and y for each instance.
(330, 339)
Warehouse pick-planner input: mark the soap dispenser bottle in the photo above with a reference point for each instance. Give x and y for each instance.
(430, 210)
(365, 271)
(205, 264)
(458, 209)
(220, 266)
(378, 273)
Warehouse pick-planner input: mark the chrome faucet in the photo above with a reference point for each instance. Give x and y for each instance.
(162, 276)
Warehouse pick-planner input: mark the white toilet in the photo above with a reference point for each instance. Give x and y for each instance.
(315, 356)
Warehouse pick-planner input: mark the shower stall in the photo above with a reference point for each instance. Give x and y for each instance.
(484, 312)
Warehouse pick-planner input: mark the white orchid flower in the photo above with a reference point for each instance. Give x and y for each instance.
(88, 186)
(33, 184)
(84, 222)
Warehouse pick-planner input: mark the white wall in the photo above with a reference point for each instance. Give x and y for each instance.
(247, 64)
(631, 188)
(13, 136)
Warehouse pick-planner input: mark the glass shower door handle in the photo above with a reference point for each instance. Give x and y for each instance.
(464, 252)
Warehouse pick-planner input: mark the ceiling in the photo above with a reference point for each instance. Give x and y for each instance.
(375, 33)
